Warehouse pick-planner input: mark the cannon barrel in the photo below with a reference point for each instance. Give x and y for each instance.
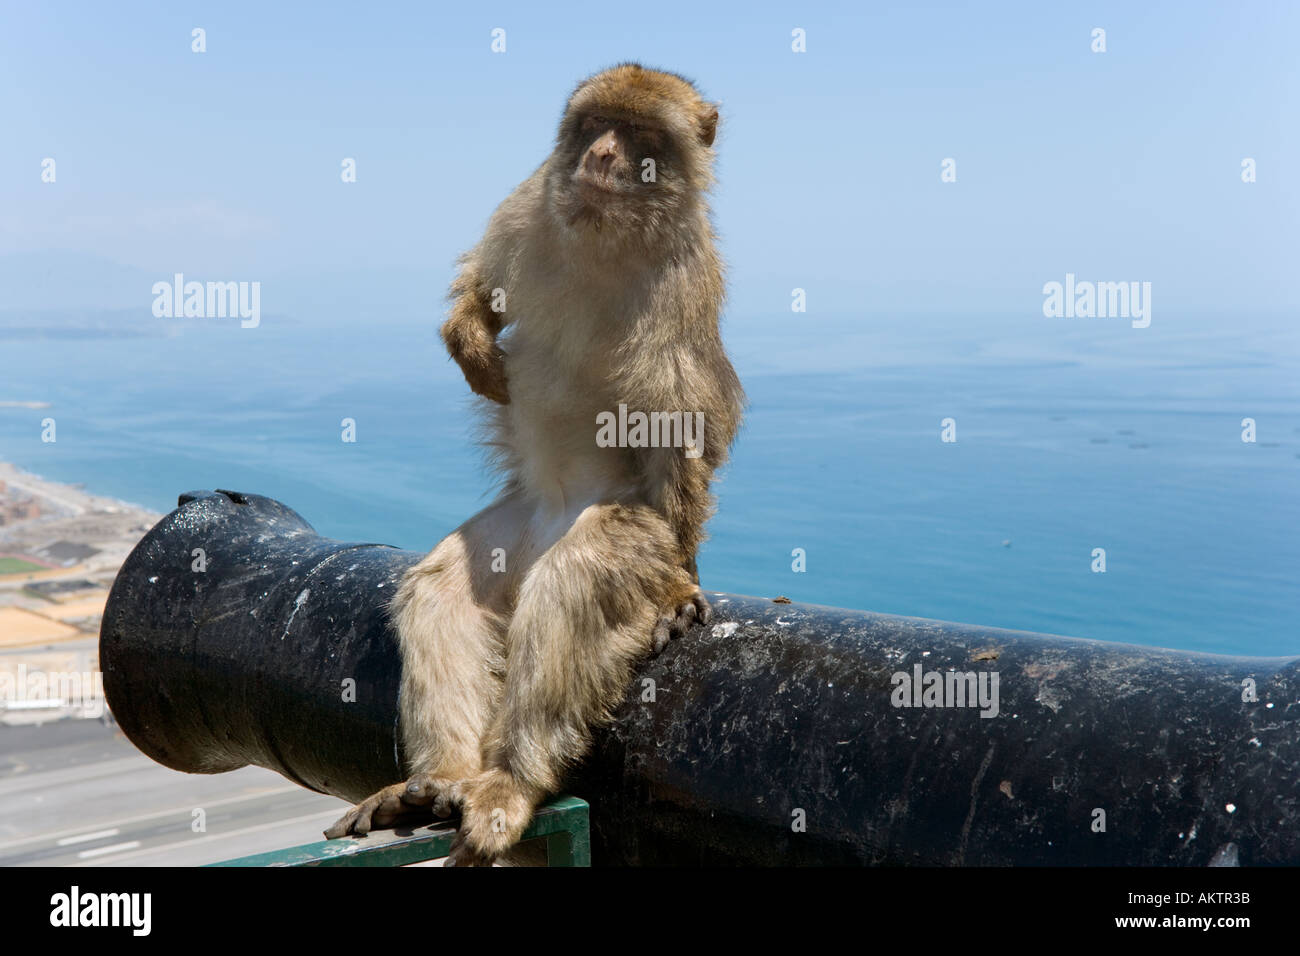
(777, 734)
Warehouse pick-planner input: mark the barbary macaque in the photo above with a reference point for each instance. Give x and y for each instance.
(597, 285)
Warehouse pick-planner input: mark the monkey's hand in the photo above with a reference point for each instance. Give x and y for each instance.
(497, 808)
(418, 798)
(681, 619)
(486, 374)
(472, 343)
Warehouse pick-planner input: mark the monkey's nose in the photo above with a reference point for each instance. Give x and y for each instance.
(600, 159)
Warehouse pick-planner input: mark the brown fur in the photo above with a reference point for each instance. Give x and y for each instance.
(612, 288)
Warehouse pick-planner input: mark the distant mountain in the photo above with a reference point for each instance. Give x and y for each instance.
(81, 323)
(78, 291)
(63, 280)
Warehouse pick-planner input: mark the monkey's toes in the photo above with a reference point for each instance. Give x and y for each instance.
(703, 609)
(352, 821)
(358, 820)
(672, 626)
(463, 853)
(417, 797)
(662, 633)
(341, 826)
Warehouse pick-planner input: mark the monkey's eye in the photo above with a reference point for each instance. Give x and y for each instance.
(650, 137)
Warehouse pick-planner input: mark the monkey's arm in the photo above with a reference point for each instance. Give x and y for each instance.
(470, 334)
(692, 375)
(478, 294)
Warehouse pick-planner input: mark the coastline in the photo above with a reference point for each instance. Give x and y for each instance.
(80, 499)
(60, 549)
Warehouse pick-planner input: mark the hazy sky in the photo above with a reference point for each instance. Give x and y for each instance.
(1122, 165)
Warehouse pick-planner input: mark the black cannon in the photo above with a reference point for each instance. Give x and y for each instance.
(777, 734)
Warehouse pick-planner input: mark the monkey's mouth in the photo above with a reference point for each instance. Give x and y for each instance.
(596, 202)
(596, 186)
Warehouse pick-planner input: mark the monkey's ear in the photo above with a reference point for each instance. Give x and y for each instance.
(708, 123)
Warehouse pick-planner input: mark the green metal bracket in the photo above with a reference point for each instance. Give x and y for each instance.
(564, 824)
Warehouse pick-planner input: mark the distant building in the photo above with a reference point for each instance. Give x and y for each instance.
(66, 553)
(19, 509)
(62, 590)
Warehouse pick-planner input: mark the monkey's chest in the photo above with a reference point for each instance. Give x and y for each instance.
(553, 424)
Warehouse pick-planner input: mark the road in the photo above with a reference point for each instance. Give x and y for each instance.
(77, 793)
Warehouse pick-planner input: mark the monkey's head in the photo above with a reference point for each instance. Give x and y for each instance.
(633, 154)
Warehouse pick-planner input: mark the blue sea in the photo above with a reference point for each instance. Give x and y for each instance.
(1071, 435)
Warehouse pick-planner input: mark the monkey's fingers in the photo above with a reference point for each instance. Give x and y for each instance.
(449, 801)
(440, 795)
(487, 377)
(420, 790)
(498, 393)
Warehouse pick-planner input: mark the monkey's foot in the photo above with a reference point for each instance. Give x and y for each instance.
(418, 798)
(671, 626)
(494, 814)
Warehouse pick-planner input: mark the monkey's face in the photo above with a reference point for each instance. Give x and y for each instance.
(633, 152)
(612, 151)
(619, 169)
